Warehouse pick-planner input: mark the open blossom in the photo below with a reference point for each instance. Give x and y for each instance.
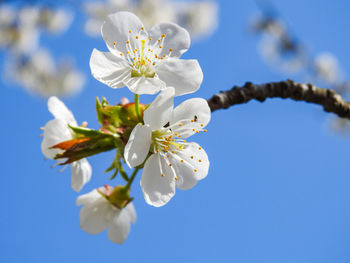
(173, 162)
(57, 131)
(98, 213)
(145, 62)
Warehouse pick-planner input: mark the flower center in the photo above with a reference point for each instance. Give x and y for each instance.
(169, 144)
(145, 56)
(165, 140)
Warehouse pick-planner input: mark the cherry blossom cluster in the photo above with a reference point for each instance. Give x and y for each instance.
(152, 138)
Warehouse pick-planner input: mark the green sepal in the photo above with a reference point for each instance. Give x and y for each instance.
(86, 147)
(87, 132)
(99, 111)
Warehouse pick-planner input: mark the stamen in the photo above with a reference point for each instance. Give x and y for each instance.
(195, 170)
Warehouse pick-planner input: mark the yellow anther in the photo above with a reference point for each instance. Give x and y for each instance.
(114, 43)
(163, 175)
(128, 42)
(182, 161)
(202, 125)
(136, 49)
(163, 35)
(127, 52)
(159, 40)
(153, 63)
(192, 120)
(121, 54)
(129, 31)
(170, 50)
(197, 131)
(195, 170)
(180, 124)
(176, 178)
(150, 39)
(160, 46)
(184, 140)
(173, 151)
(179, 136)
(199, 148)
(193, 129)
(175, 133)
(149, 49)
(137, 37)
(142, 28)
(170, 164)
(191, 157)
(200, 160)
(205, 130)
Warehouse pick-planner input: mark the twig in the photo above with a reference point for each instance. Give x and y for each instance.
(329, 99)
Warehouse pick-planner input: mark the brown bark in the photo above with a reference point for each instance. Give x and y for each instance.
(329, 99)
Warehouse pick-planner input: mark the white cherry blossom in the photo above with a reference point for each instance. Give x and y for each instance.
(56, 131)
(173, 161)
(145, 62)
(98, 213)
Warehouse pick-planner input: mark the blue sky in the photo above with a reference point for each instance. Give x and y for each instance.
(278, 185)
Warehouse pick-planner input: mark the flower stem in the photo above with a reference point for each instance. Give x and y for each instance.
(137, 108)
(132, 177)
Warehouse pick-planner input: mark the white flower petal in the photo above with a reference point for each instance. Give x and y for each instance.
(88, 198)
(116, 29)
(185, 76)
(81, 174)
(55, 131)
(119, 228)
(194, 167)
(144, 85)
(130, 209)
(60, 111)
(157, 189)
(109, 69)
(138, 145)
(176, 38)
(96, 216)
(158, 113)
(195, 109)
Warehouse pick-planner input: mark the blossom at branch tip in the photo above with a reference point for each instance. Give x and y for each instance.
(145, 62)
(57, 131)
(98, 213)
(173, 161)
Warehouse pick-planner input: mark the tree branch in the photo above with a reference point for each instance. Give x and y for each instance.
(329, 99)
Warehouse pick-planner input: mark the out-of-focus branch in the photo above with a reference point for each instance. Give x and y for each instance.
(329, 99)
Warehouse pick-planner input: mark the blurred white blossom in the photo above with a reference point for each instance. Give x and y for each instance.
(279, 57)
(199, 18)
(39, 74)
(327, 68)
(26, 62)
